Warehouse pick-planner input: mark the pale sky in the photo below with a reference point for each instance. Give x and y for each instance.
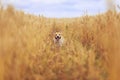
(60, 8)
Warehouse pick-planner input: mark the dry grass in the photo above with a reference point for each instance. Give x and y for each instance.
(90, 53)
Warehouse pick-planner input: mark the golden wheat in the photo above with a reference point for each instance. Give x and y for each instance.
(90, 53)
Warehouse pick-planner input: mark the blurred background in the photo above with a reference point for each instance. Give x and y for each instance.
(91, 29)
(63, 8)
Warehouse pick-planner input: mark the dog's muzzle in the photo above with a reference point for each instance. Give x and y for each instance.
(57, 37)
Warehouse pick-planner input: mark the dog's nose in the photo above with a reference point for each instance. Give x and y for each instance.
(58, 37)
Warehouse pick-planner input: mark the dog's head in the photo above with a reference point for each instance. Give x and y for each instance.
(58, 35)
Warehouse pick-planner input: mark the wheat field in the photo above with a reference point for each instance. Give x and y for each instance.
(27, 52)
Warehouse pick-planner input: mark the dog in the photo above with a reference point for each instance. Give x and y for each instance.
(58, 39)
